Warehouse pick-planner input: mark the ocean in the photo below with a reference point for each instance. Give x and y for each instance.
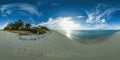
(89, 36)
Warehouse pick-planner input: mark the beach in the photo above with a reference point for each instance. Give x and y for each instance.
(56, 46)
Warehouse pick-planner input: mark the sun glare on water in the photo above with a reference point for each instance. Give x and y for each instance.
(68, 25)
(68, 33)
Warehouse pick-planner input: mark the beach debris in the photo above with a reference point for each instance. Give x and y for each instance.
(22, 33)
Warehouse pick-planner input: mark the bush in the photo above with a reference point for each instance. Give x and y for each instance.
(40, 30)
(44, 27)
(34, 30)
(6, 28)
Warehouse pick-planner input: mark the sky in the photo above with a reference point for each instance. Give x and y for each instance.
(62, 14)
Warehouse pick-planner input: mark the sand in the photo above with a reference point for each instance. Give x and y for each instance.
(56, 46)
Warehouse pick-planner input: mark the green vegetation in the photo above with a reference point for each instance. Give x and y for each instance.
(38, 30)
(27, 26)
(19, 26)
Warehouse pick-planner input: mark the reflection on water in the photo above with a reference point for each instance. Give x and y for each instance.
(68, 33)
(89, 36)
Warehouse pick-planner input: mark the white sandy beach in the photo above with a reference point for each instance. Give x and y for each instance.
(55, 46)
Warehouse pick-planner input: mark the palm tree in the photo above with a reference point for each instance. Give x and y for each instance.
(19, 25)
(27, 26)
(11, 26)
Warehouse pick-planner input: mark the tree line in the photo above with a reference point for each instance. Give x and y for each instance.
(20, 26)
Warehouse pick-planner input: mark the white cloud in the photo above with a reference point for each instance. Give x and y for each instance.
(100, 14)
(33, 21)
(61, 23)
(3, 15)
(97, 17)
(103, 20)
(80, 16)
(67, 23)
(9, 8)
(4, 25)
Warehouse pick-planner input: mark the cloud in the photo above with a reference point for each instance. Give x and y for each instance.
(61, 23)
(9, 8)
(97, 17)
(79, 16)
(4, 25)
(33, 21)
(103, 21)
(3, 15)
(67, 23)
(20, 8)
(101, 13)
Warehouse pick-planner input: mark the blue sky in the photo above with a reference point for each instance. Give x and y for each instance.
(92, 14)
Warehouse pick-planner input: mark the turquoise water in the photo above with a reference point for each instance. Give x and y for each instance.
(92, 33)
(89, 36)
